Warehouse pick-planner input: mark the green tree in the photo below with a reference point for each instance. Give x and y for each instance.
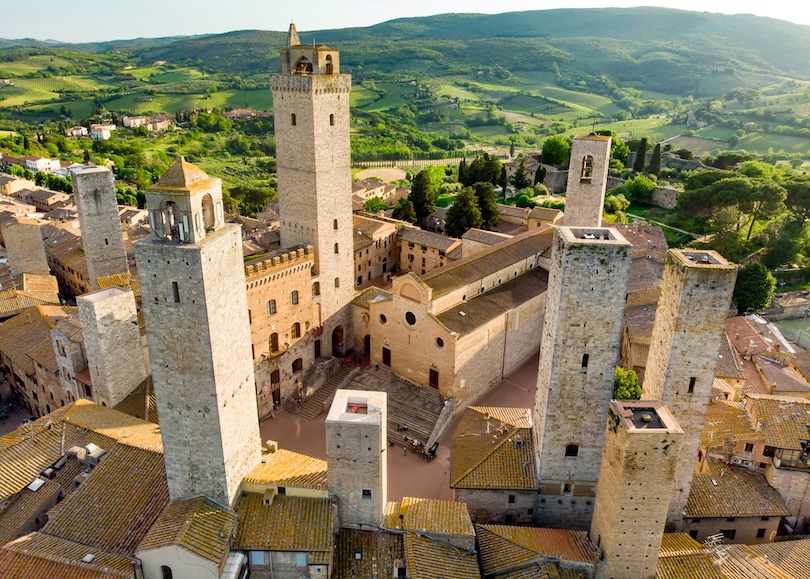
(462, 170)
(464, 213)
(556, 150)
(655, 161)
(762, 199)
(422, 196)
(540, 175)
(625, 385)
(404, 211)
(641, 156)
(618, 148)
(512, 149)
(759, 170)
(488, 204)
(798, 197)
(519, 179)
(374, 204)
(616, 203)
(754, 289)
(639, 187)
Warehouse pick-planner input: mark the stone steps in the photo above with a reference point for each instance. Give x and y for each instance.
(313, 406)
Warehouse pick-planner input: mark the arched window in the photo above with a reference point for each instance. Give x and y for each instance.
(330, 68)
(316, 288)
(571, 450)
(332, 120)
(165, 572)
(293, 120)
(274, 342)
(334, 224)
(337, 282)
(298, 365)
(337, 249)
(587, 168)
(271, 307)
(296, 330)
(294, 297)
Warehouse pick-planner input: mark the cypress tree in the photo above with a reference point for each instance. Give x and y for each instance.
(655, 161)
(641, 156)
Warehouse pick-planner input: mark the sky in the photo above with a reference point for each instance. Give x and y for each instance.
(86, 21)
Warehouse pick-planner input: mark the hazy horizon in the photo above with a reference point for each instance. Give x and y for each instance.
(183, 18)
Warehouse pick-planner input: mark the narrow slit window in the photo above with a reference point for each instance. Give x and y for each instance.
(584, 362)
(332, 120)
(692, 384)
(293, 120)
(176, 292)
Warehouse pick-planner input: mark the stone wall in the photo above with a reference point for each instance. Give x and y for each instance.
(745, 529)
(585, 193)
(492, 506)
(102, 237)
(689, 320)
(109, 321)
(195, 309)
(24, 247)
(579, 350)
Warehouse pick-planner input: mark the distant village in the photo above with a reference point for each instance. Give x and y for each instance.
(145, 353)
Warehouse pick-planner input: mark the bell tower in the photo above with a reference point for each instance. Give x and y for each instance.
(311, 110)
(197, 327)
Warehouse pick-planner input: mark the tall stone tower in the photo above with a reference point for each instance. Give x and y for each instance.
(642, 441)
(587, 181)
(579, 351)
(26, 250)
(689, 321)
(102, 240)
(195, 308)
(109, 320)
(311, 110)
(357, 456)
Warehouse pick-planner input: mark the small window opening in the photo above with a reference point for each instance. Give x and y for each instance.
(692, 384)
(293, 120)
(584, 362)
(587, 168)
(571, 450)
(332, 120)
(176, 292)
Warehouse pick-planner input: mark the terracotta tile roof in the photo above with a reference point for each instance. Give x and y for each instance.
(753, 380)
(370, 294)
(545, 214)
(747, 336)
(428, 239)
(783, 421)
(382, 553)
(781, 378)
(127, 281)
(688, 566)
(285, 468)
(44, 354)
(503, 547)
(483, 236)
(645, 274)
(645, 239)
(39, 556)
(445, 279)
(24, 507)
(141, 402)
(638, 321)
(14, 301)
(430, 515)
(485, 454)
(487, 306)
(790, 556)
(181, 175)
(114, 508)
(802, 363)
(20, 334)
(727, 423)
(728, 361)
(726, 491)
(427, 559)
(288, 524)
(118, 426)
(198, 525)
(676, 544)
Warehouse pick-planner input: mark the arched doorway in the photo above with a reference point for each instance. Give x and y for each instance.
(208, 212)
(317, 349)
(337, 342)
(367, 344)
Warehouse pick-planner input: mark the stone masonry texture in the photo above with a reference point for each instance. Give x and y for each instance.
(578, 354)
(199, 348)
(102, 240)
(26, 250)
(585, 195)
(690, 318)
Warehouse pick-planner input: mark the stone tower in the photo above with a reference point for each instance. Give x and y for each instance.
(640, 455)
(102, 240)
(689, 321)
(587, 181)
(357, 456)
(311, 111)
(579, 351)
(109, 320)
(195, 308)
(26, 250)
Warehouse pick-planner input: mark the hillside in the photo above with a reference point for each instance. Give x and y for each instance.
(656, 49)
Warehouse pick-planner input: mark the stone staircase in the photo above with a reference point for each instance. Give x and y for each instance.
(289, 404)
(419, 408)
(313, 406)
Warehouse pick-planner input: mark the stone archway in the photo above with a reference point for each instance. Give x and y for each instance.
(338, 348)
